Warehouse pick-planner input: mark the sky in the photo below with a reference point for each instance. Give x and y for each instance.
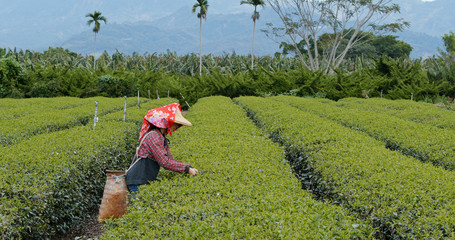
(23, 20)
(29, 23)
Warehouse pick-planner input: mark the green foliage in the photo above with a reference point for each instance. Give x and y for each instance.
(368, 46)
(424, 142)
(59, 72)
(449, 42)
(400, 196)
(244, 190)
(253, 82)
(371, 46)
(419, 112)
(391, 47)
(114, 87)
(203, 7)
(50, 182)
(96, 19)
(401, 79)
(9, 74)
(16, 128)
(441, 71)
(51, 81)
(342, 85)
(15, 108)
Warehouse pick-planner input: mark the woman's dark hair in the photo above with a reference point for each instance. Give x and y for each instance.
(151, 127)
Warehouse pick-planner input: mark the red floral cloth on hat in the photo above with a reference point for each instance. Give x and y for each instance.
(162, 117)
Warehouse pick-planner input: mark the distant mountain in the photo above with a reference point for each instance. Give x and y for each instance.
(423, 45)
(433, 18)
(156, 26)
(36, 25)
(179, 32)
(429, 22)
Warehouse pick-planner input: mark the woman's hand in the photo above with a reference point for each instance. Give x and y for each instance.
(192, 171)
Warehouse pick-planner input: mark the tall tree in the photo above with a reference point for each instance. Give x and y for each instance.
(307, 19)
(369, 46)
(255, 17)
(449, 42)
(202, 14)
(95, 18)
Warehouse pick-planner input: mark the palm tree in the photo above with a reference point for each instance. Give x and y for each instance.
(203, 5)
(255, 16)
(95, 18)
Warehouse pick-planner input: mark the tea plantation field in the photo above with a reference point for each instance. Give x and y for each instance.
(273, 168)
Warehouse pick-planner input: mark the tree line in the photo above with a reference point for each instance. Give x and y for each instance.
(346, 60)
(60, 72)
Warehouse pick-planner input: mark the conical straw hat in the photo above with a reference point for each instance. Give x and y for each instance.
(181, 120)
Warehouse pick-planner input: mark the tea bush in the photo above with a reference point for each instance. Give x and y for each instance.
(52, 181)
(419, 112)
(400, 196)
(49, 120)
(13, 108)
(427, 143)
(245, 189)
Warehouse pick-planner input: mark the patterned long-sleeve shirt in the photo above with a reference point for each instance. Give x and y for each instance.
(155, 147)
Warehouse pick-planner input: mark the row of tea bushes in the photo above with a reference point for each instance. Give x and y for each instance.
(415, 111)
(13, 108)
(51, 181)
(400, 196)
(425, 142)
(49, 120)
(245, 188)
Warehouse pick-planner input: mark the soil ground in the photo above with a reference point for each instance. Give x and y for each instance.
(91, 229)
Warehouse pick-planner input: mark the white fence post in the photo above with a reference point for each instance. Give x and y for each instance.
(95, 119)
(138, 101)
(185, 100)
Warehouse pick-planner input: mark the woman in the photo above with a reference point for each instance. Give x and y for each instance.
(153, 151)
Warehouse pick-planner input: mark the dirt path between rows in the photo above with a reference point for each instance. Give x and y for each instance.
(90, 229)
